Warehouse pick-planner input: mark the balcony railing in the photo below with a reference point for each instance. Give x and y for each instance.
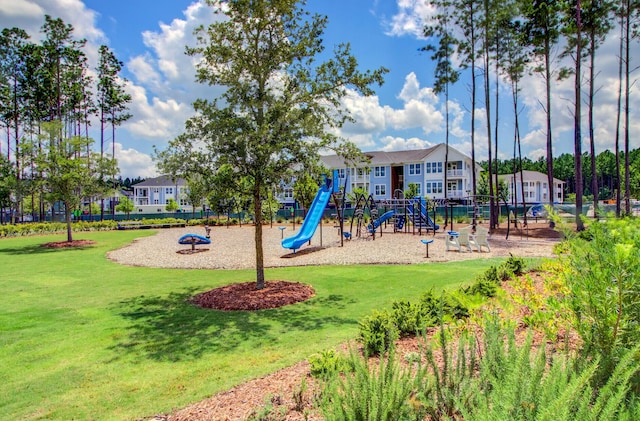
(360, 178)
(455, 194)
(455, 173)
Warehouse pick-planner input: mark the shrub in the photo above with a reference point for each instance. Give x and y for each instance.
(514, 265)
(377, 333)
(482, 287)
(369, 393)
(409, 318)
(438, 308)
(327, 363)
(602, 275)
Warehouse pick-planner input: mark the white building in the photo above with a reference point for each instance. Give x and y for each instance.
(535, 187)
(388, 172)
(152, 195)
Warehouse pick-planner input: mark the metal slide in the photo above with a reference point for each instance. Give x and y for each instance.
(311, 221)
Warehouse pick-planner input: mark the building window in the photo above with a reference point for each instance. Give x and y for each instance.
(168, 190)
(380, 190)
(156, 202)
(433, 167)
(379, 171)
(414, 169)
(288, 193)
(183, 202)
(433, 187)
(156, 190)
(341, 173)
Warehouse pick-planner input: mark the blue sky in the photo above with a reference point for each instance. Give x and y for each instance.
(149, 36)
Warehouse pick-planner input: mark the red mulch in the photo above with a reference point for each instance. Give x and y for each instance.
(69, 244)
(245, 296)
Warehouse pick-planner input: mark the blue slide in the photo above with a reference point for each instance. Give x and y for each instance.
(311, 221)
(377, 222)
(424, 214)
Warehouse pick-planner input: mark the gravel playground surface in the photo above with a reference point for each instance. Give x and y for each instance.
(233, 248)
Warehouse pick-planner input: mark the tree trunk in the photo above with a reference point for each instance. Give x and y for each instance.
(550, 177)
(592, 147)
(577, 139)
(627, 88)
(67, 215)
(257, 209)
(619, 112)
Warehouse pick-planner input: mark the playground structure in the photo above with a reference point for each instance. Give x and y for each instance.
(398, 212)
(193, 240)
(368, 217)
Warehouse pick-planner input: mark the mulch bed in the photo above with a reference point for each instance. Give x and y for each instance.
(245, 296)
(68, 244)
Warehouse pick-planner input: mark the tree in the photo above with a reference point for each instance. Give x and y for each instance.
(67, 171)
(112, 100)
(125, 205)
(514, 63)
(172, 205)
(597, 25)
(12, 67)
(305, 189)
(279, 101)
(466, 19)
(197, 191)
(412, 191)
(444, 72)
(7, 180)
(573, 30)
(543, 29)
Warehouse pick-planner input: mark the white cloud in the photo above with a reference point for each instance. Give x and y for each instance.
(29, 15)
(401, 144)
(134, 163)
(367, 112)
(418, 109)
(155, 119)
(410, 18)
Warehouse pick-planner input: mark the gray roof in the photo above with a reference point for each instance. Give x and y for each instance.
(381, 158)
(162, 181)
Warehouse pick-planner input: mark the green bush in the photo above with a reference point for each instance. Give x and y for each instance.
(409, 318)
(482, 287)
(327, 363)
(514, 265)
(39, 228)
(441, 307)
(515, 384)
(602, 275)
(377, 333)
(379, 393)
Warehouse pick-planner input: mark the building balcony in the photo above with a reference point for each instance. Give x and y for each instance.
(456, 174)
(456, 194)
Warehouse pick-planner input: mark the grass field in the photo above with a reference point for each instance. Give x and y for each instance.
(85, 338)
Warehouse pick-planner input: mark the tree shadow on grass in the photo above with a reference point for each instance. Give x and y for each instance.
(39, 249)
(171, 328)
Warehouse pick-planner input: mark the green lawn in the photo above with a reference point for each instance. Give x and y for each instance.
(84, 338)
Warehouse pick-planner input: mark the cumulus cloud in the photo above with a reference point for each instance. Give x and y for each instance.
(155, 118)
(367, 113)
(410, 18)
(133, 163)
(419, 109)
(29, 15)
(401, 144)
